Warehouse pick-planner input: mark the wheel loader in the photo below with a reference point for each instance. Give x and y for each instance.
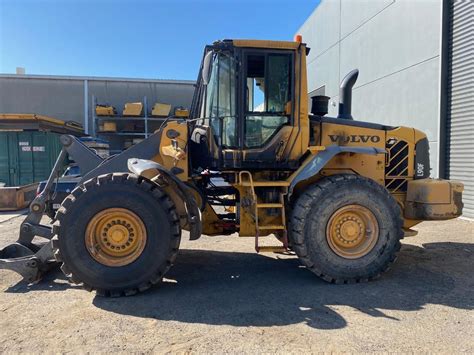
(250, 160)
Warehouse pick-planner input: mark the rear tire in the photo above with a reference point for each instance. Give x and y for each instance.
(144, 213)
(346, 229)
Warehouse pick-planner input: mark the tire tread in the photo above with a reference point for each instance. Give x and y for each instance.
(144, 185)
(298, 221)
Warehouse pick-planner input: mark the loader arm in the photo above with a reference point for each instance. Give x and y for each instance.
(86, 159)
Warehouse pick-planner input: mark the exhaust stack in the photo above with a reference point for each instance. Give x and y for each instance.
(345, 95)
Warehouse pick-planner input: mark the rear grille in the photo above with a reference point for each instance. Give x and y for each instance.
(396, 168)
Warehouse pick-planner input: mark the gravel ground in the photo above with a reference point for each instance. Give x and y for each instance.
(223, 297)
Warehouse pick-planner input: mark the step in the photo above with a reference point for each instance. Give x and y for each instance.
(269, 205)
(272, 249)
(271, 227)
(264, 183)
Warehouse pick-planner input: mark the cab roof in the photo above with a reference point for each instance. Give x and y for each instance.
(257, 43)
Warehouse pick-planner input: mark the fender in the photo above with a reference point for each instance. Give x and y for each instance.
(146, 149)
(322, 158)
(149, 169)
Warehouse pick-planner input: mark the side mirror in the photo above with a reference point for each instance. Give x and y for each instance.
(206, 68)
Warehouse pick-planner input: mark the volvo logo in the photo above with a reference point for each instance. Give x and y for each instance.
(353, 138)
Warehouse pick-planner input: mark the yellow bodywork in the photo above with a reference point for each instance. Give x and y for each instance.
(429, 199)
(302, 141)
(258, 43)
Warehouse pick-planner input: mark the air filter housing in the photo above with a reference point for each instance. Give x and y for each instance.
(319, 105)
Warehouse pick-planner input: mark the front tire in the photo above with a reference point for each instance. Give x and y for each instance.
(117, 234)
(346, 228)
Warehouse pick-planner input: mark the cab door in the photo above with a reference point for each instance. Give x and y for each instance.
(266, 107)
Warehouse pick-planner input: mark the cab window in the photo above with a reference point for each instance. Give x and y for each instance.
(220, 100)
(268, 96)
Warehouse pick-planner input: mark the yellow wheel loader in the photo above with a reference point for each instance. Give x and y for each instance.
(341, 193)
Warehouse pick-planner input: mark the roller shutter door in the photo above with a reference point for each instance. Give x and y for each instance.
(460, 118)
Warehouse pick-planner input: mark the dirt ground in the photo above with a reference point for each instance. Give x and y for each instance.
(223, 297)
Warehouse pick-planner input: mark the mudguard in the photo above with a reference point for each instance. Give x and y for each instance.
(322, 158)
(150, 169)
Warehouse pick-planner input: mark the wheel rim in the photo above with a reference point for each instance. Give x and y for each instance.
(115, 237)
(352, 231)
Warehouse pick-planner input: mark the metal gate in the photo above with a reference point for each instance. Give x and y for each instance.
(460, 115)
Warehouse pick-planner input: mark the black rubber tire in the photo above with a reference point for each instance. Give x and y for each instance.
(123, 190)
(312, 211)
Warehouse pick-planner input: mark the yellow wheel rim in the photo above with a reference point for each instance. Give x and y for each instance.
(352, 231)
(115, 237)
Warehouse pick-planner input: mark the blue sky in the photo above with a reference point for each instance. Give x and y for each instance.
(124, 38)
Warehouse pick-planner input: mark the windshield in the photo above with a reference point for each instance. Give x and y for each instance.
(219, 103)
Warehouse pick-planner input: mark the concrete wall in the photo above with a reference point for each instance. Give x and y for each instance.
(63, 97)
(395, 44)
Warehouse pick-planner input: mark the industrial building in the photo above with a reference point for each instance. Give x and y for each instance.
(73, 98)
(416, 63)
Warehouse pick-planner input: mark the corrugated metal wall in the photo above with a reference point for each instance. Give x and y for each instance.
(460, 120)
(63, 97)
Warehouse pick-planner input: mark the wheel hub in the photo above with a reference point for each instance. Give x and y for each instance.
(115, 237)
(352, 231)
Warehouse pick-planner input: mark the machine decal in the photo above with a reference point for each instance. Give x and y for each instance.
(353, 138)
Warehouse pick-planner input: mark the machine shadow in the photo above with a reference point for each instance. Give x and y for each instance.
(54, 280)
(240, 289)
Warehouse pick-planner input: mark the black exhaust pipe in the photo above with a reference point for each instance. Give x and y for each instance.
(345, 95)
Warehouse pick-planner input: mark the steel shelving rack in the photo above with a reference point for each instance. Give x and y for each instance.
(120, 118)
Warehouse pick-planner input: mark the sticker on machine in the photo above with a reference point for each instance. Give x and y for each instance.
(38, 149)
(22, 144)
(26, 149)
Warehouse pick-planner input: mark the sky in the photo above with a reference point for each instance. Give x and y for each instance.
(160, 39)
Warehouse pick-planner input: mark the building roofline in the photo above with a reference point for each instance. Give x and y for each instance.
(95, 78)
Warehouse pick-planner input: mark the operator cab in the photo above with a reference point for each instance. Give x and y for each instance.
(245, 109)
